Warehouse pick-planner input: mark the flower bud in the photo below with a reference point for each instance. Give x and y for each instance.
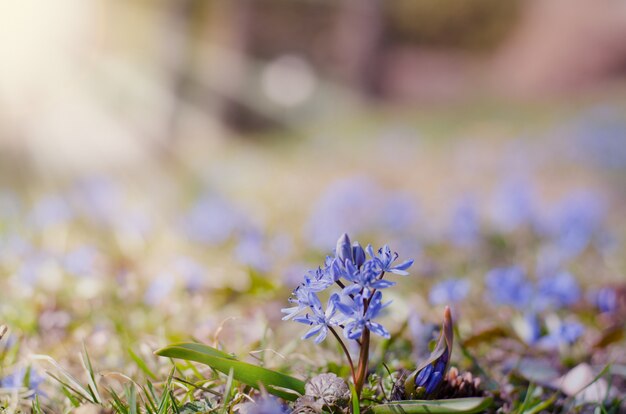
(358, 255)
(427, 378)
(344, 249)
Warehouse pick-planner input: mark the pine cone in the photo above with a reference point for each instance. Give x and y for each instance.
(324, 392)
(459, 386)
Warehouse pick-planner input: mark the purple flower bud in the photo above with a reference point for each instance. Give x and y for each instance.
(358, 254)
(344, 248)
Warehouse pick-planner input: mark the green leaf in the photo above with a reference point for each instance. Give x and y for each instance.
(281, 385)
(452, 406)
(356, 408)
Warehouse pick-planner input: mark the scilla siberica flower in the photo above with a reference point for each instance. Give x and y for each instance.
(359, 301)
(428, 377)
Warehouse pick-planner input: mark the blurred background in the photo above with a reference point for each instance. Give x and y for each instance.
(185, 160)
(107, 85)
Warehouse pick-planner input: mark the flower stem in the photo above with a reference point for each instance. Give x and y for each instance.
(345, 351)
(361, 372)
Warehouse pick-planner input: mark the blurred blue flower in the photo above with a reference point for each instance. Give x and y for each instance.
(20, 378)
(565, 334)
(192, 272)
(159, 289)
(49, 211)
(513, 204)
(464, 224)
(351, 205)
(213, 221)
(81, 261)
(399, 213)
(528, 328)
(449, 291)
(557, 292)
(606, 300)
(599, 136)
(32, 267)
(13, 248)
(9, 206)
(359, 205)
(251, 251)
(266, 405)
(576, 221)
(98, 198)
(509, 286)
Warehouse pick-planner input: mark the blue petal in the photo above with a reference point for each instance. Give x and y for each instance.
(312, 331)
(322, 335)
(433, 382)
(291, 312)
(382, 284)
(379, 330)
(303, 319)
(351, 290)
(423, 375)
(314, 301)
(345, 309)
(344, 249)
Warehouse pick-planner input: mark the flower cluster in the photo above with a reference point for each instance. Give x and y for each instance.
(358, 301)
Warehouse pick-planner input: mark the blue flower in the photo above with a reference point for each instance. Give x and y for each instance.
(385, 259)
(159, 289)
(319, 319)
(464, 226)
(513, 204)
(50, 211)
(213, 221)
(98, 198)
(599, 137)
(81, 262)
(360, 299)
(449, 291)
(576, 221)
(565, 334)
(427, 378)
(266, 405)
(606, 300)
(557, 292)
(191, 272)
(509, 286)
(528, 328)
(367, 279)
(251, 251)
(359, 318)
(20, 378)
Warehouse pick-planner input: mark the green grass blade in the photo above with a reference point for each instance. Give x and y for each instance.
(227, 392)
(281, 385)
(91, 377)
(451, 406)
(356, 406)
(165, 396)
(141, 364)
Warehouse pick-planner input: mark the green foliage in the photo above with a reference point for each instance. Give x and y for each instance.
(276, 383)
(452, 406)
